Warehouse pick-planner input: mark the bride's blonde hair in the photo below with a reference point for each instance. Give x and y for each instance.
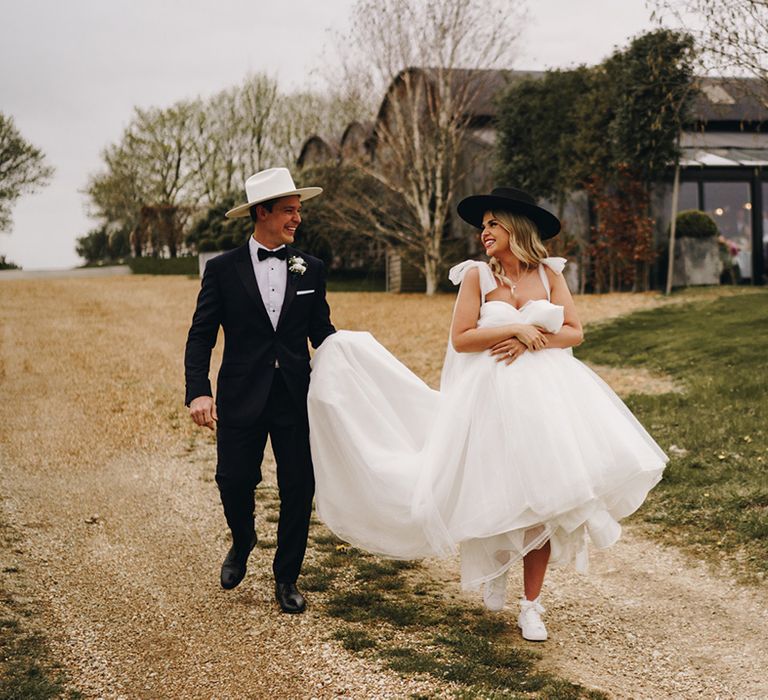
(524, 242)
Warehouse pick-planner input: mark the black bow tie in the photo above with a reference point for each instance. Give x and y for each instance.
(280, 253)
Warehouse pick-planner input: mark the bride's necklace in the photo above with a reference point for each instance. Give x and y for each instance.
(514, 283)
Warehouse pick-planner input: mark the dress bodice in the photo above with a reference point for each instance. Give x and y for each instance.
(539, 312)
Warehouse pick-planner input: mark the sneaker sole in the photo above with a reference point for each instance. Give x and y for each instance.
(532, 639)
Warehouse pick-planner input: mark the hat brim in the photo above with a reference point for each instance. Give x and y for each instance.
(472, 209)
(304, 194)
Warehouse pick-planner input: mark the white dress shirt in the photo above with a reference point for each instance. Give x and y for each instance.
(272, 277)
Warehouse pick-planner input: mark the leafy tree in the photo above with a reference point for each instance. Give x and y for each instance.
(175, 171)
(147, 185)
(537, 127)
(103, 245)
(22, 168)
(648, 88)
(213, 224)
(94, 246)
(7, 264)
(610, 130)
(655, 78)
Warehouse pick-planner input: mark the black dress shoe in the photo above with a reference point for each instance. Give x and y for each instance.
(234, 566)
(289, 597)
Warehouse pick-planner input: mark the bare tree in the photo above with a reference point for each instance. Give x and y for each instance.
(232, 136)
(256, 115)
(732, 36)
(22, 168)
(213, 144)
(178, 161)
(432, 60)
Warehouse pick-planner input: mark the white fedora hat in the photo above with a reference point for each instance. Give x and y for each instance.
(271, 184)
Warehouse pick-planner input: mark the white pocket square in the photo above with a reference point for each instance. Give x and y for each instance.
(304, 291)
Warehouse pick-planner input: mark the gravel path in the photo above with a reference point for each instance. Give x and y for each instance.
(648, 622)
(110, 491)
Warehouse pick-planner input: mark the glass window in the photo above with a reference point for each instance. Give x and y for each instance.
(729, 204)
(765, 226)
(688, 197)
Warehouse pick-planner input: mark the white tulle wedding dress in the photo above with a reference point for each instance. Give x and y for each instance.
(501, 459)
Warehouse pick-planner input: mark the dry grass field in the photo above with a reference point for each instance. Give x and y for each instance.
(108, 491)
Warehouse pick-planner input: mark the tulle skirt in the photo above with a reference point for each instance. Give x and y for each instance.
(502, 459)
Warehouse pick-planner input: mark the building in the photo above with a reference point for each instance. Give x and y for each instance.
(724, 169)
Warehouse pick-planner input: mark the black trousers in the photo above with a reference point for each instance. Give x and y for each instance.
(240, 452)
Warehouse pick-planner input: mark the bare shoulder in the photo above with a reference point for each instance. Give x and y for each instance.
(556, 279)
(472, 274)
(470, 283)
(469, 291)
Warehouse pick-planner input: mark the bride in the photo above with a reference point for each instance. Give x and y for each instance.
(523, 454)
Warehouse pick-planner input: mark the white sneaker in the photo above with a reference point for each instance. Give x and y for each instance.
(529, 620)
(495, 592)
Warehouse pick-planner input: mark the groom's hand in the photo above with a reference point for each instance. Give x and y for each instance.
(203, 411)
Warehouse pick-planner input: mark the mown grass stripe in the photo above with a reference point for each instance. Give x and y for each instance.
(714, 496)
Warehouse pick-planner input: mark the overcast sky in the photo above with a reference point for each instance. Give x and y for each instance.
(71, 72)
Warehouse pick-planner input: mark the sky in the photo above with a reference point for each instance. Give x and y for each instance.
(72, 72)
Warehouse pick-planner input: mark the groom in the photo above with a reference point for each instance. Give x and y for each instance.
(269, 298)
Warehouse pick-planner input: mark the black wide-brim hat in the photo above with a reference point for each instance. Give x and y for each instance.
(472, 209)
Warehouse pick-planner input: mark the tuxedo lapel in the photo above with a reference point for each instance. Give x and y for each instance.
(244, 268)
(291, 284)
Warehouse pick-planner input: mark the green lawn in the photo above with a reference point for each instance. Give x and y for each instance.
(714, 496)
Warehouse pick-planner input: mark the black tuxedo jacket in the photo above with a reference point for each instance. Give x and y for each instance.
(229, 297)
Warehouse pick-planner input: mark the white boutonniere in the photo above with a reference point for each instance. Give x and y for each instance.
(297, 265)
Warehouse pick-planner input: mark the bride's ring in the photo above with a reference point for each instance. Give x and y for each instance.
(510, 353)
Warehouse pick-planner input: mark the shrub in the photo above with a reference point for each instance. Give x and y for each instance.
(213, 224)
(164, 266)
(7, 264)
(226, 241)
(206, 245)
(695, 224)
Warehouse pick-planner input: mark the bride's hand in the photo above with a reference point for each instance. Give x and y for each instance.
(530, 336)
(508, 350)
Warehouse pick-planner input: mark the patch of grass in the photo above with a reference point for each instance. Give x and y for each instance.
(26, 671)
(418, 634)
(374, 568)
(324, 537)
(714, 495)
(390, 583)
(317, 579)
(410, 660)
(355, 640)
(338, 559)
(384, 573)
(354, 605)
(402, 611)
